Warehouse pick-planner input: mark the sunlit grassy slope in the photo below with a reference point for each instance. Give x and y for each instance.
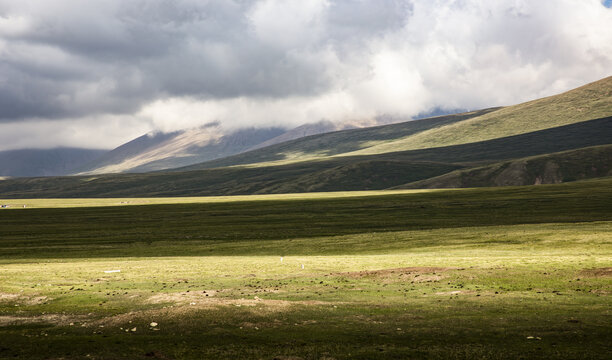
(591, 101)
(504, 273)
(584, 103)
(334, 143)
(269, 171)
(366, 172)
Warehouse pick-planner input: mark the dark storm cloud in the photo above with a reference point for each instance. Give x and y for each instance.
(152, 63)
(74, 58)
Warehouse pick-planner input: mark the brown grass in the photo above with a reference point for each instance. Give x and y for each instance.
(600, 272)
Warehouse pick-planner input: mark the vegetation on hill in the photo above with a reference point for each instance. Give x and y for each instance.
(591, 101)
(371, 172)
(585, 163)
(588, 102)
(333, 143)
(322, 162)
(180, 148)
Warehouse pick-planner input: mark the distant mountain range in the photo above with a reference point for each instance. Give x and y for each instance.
(156, 151)
(566, 137)
(160, 151)
(52, 162)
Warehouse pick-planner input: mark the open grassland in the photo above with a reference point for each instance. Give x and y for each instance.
(476, 273)
(98, 202)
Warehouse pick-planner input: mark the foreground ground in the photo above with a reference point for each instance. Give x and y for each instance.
(505, 273)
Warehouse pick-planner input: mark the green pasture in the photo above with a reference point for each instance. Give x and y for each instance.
(13, 204)
(501, 273)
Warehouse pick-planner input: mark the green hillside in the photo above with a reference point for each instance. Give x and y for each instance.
(591, 101)
(588, 102)
(585, 163)
(334, 161)
(333, 143)
(368, 172)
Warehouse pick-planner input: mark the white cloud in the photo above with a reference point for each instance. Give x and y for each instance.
(289, 23)
(142, 66)
(99, 132)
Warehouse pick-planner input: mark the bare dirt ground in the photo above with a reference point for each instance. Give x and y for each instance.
(601, 272)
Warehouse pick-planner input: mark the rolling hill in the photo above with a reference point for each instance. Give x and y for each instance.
(566, 166)
(553, 139)
(365, 172)
(587, 102)
(591, 101)
(333, 143)
(160, 151)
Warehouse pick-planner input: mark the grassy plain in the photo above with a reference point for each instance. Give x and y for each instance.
(503, 273)
(98, 202)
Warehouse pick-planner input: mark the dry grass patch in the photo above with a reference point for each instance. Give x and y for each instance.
(20, 299)
(55, 319)
(412, 274)
(600, 272)
(182, 297)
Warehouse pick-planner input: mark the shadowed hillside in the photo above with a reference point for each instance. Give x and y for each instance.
(160, 151)
(586, 163)
(588, 102)
(334, 143)
(329, 162)
(169, 150)
(368, 172)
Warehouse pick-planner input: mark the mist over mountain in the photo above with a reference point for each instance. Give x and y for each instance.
(561, 138)
(160, 151)
(97, 74)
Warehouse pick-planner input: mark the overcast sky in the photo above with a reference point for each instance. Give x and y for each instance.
(91, 73)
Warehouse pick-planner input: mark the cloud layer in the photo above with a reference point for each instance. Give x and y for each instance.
(98, 73)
